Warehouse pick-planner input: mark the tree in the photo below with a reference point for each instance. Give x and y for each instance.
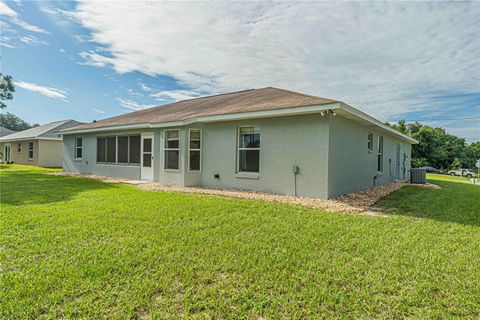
(6, 89)
(440, 149)
(456, 164)
(12, 122)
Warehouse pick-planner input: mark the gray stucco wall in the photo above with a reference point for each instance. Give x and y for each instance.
(284, 142)
(351, 166)
(331, 153)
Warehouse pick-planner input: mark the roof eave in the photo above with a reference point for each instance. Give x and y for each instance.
(365, 117)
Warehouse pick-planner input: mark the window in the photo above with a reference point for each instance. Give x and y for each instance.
(134, 149)
(147, 152)
(101, 149)
(19, 147)
(112, 149)
(78, 148)
(30, 151)
(380, 155)
(249, 149)
(370, 142)
(122, 156)
(118, 149)
(172, 149)
(194, 149)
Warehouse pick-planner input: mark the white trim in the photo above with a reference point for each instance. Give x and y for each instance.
(199, 150)
(362, 115)
(75, 158)
(9, 152)
(30, 144)
(243, 173)
(247, 175)
(256, 114)
(216, 118)
(380, 152)
(170, 149)
(30, 138)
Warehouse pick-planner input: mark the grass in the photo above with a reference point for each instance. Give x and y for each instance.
(80, 248)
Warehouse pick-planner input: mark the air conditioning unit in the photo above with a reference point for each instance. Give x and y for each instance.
(418, 175)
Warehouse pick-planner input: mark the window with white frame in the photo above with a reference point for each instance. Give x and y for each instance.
(172, 149)
(78, 148)
(248, 149)
(30, 151)
(380, 154)
(370, 142)
(194, 149)
(19, 147)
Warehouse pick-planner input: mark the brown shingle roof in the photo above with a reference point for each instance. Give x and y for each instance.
(235, 102)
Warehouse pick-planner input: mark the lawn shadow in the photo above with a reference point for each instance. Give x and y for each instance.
(455, 202)
(21, 187)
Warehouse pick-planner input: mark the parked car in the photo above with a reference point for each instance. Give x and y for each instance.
(462, 172)
(432, 170)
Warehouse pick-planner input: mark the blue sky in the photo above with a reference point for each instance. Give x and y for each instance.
(92, 60)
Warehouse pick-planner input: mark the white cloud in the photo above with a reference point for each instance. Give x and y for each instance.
(387, 58)
(13, 16)
(144, 87)
(31, 40)
(133, 105)
(175, 95)
(45, 91)
(99, 111)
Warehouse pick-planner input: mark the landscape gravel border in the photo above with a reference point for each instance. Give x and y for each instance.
(356, 202)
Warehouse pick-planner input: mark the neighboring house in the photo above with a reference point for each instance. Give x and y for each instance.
(39, 146)
(5, 132)
(268, 140)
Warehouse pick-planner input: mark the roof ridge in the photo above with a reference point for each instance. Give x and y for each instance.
(214, 95)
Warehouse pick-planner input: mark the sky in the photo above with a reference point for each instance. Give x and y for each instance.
(418, 61)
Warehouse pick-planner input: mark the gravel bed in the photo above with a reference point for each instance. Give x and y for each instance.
(357, 202)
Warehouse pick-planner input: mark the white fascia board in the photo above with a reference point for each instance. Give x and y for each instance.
(362, 115)
(251, 115)
(111, 128)
(30, 138)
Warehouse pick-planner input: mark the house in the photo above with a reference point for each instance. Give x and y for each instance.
(268, 140)
(39, 146)
(5, 132)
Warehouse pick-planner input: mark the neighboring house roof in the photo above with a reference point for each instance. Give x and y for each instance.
(5, 132)
(247, 104)
(49, 131)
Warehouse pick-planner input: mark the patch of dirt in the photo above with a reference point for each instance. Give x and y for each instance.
(426, 185)
(358, 202)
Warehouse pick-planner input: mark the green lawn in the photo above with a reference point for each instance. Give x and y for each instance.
(80, 248)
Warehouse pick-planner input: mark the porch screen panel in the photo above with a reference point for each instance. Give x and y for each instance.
(122, 150)
(134, 149)
(101, 146)
(111, 149)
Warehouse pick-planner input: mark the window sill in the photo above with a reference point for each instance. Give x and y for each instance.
(172, 170)
(247, 175)
(78, 160)
(370, 151)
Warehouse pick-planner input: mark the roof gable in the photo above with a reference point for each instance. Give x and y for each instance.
(49, 130)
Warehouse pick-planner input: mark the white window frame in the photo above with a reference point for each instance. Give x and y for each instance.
(19, 147)
(380, 153)
(247, 149)
(370, 142)
(199, 150)
(165, 149)
(77, 147)
(30, 144)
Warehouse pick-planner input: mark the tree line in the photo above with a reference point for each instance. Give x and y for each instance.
(439, 149)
